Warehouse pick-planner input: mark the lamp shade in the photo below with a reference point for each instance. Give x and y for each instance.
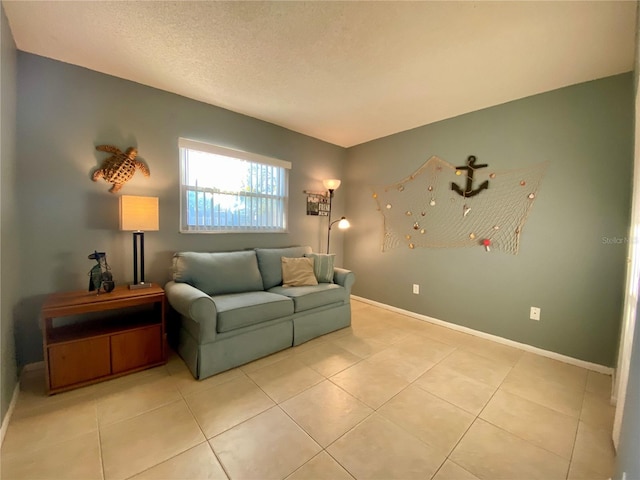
(343, 223)
(331, 183)
(139, 213)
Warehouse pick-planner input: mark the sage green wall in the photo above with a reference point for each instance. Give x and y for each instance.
(64, 111)
(9, 251)
(565, 265)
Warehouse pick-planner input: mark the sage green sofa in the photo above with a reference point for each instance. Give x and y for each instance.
(231, 307)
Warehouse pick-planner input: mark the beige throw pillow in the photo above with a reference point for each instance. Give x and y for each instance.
(298, 272)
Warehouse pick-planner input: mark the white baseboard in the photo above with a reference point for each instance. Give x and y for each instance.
(14, 398)
(7, 417)
(505, 341)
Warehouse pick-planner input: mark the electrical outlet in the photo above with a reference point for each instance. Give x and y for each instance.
(535, 313)
(416, 289)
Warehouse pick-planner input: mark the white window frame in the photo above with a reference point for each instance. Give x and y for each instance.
(277, 205)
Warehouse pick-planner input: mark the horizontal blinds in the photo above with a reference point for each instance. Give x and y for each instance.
(230, 152)
(260, 205)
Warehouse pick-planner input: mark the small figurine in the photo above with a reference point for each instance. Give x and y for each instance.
(120, 167)
(100, 275)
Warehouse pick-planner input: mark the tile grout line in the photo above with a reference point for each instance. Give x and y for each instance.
(182, 397)
(322, 449)
(207, 439)
(345, 433)
(376, 411)
(328, 378)
(369, 415)
(477, 417)
(100, 453)
(195, 419)
(143, 413)
(518, 436)
(575, 438)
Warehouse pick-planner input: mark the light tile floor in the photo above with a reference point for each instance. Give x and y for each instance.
(391, 397)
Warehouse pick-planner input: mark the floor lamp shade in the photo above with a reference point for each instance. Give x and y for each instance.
(139, 214)
(331, 183)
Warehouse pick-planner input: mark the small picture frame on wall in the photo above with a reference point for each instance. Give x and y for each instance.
(317, 204)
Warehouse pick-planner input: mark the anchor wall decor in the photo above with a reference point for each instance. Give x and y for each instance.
(471, 167)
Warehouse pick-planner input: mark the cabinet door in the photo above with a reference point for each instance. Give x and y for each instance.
(76, 362)
(136, 348)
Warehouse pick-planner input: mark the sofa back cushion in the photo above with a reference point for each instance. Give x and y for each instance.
(322, 266)
(270, 263)
(218, 273)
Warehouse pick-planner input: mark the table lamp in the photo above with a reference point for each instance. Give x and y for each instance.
(138, 214)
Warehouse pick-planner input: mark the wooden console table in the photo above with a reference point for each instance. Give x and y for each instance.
(99, 346)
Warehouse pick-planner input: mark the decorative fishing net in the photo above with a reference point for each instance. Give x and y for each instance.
(423, 210)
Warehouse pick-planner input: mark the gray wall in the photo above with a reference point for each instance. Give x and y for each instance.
(9, 251)
(64, 111)
(564, 267)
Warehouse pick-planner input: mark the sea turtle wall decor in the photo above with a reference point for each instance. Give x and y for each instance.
(119, 167)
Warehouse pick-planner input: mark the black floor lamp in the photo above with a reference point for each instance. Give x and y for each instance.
(331, 185)
(138, 214)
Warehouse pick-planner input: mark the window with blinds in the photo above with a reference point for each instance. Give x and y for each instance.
(229, 191)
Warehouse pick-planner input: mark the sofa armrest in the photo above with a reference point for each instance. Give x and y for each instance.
(345, 278)
(196, 307)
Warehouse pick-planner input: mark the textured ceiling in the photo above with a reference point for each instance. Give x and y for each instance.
(344, 72)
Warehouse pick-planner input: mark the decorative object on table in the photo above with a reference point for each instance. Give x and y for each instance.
(119, 167)
(100, 276)
(332, 185)
(432, 208)
(138, 214)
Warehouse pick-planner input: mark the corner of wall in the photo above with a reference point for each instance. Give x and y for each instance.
(9, 245)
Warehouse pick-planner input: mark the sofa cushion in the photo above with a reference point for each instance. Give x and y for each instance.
(306, 298)
(218, 273)
(237, 310)
(270, 263)
(323, 266)
(298, 272)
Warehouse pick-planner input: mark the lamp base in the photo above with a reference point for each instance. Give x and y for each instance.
(136, 286)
